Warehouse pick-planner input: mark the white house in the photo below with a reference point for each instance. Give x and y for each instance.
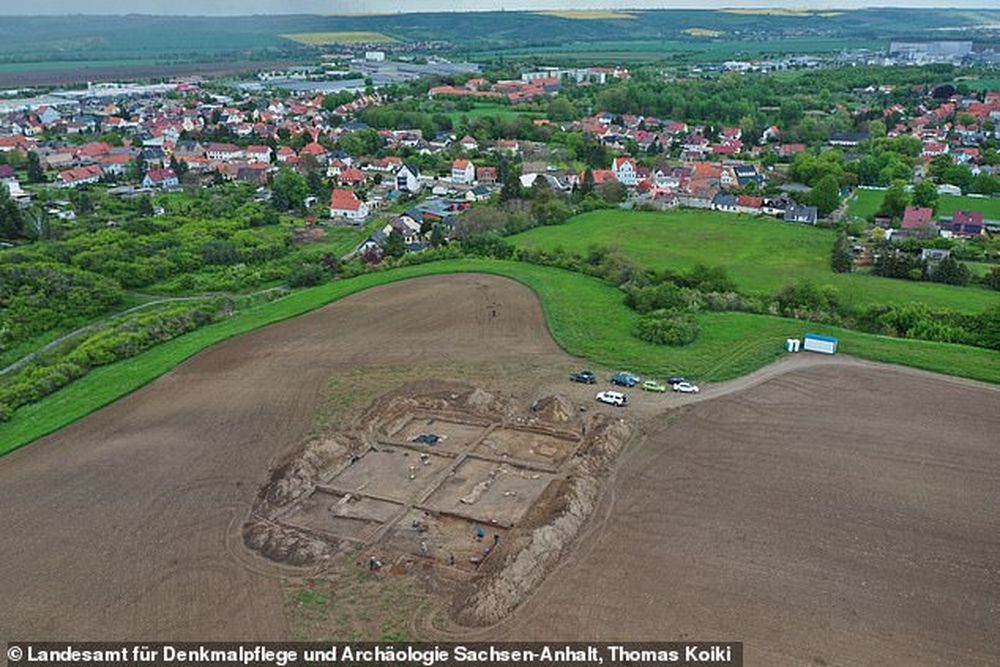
(408, 178)
(463, 172)
(223, 152)
(625, 170)
(260, 153)
(345, 204)
(163, 178)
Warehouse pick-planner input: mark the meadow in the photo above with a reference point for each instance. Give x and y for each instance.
(864, 203)
(586, 317)
(761, 255)
(504, 111)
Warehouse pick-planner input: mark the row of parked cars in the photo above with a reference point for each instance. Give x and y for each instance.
(630, 380)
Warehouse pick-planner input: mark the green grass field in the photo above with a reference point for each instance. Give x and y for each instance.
(762, 255)
(983, 84)
(504, 111)
(585, 316)
(864, 203)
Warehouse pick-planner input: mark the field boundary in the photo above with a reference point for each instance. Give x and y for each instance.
(107, 384)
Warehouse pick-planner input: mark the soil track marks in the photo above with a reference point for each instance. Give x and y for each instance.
(844, 514)
(126, 524)
(824, 511)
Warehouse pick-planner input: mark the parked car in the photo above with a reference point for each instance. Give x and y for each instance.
(652, 385)
(676, 379)
(585, 377)
(686, 388)
(615, 398)
(625, 379)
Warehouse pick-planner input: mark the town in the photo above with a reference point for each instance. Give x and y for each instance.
(656, 325)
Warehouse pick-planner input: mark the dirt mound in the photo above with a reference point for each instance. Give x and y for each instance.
(536, 553)
(282, 544)
(555, 409)
(298, 476)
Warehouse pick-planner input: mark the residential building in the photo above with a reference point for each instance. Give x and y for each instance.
(463, 172)
(800, 213)
(408, 178)
(345, 204)
(624, 169)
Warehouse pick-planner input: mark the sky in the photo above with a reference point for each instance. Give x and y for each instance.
(246, 7)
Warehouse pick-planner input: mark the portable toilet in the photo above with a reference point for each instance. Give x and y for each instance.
(817, 343)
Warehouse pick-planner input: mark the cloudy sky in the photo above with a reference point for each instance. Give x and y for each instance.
(244, 7)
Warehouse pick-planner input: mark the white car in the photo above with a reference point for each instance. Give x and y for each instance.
(686, 388)
(613, 398)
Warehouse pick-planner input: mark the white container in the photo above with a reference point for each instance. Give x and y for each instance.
(821, 344)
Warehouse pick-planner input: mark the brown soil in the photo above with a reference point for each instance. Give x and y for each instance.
(823, 511)
(127, 524)
(451, 510)
(841, 515)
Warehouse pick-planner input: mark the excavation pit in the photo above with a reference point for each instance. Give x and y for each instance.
(528, 446)
(396, 474)
(489, 492)
(455, 436)
(341, 515)
(444, 540)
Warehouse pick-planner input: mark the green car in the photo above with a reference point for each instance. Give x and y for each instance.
(650, 385)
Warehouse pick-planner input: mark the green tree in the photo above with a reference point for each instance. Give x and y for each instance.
(394, 245)
(306, 275)
(587, 183)
(825, 195)
(895, 201)
(511, 188)
(35, 172)
(437, 236)
(950, 271)
(841, 258)
(992, 279)
(11, 218)
(137, 168)
(925, 194)
(560, 108)
(289, 190)
(145, 206)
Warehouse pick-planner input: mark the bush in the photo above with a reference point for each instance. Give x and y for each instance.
(807, 302)
(120, 339)
(667, 328)
(306, 275)
(665, 296)
(992, 279)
